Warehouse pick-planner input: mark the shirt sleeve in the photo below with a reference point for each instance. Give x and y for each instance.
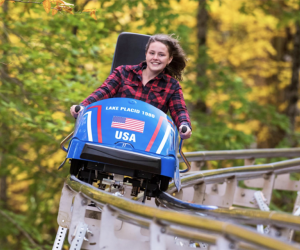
(178, 109)
(107, 90)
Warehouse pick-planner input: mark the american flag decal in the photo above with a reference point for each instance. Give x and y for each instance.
(127, 123)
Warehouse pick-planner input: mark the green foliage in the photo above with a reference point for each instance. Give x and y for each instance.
(49, 63)
(212, 130)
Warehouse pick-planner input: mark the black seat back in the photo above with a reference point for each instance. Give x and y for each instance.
(130, 49)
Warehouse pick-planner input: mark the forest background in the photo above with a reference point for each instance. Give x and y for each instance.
(241, 87)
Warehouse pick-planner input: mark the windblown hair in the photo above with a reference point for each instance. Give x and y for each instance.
(177, 65)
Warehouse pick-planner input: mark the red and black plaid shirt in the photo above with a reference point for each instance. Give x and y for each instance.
(163, 91)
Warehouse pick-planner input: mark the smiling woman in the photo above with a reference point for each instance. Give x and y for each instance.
(157, 58)
(172, 50)
(154, 81)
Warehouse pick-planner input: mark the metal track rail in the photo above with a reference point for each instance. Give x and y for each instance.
(281, 220)
(240, 154)
(164, 217)
(241, 173)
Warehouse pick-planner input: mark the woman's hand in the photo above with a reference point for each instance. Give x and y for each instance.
(187, 134)
(73, 112)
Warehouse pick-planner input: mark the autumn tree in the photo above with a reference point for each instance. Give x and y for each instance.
(44, 69)
(234, 86)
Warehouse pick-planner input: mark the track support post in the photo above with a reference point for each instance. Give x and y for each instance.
(157, 237)
(77, 222)
(79, 236)
(107, 238)
(60, 238)
(261, 203)
(199, 193)
(65, 206)
(289, 233)
(225, 244)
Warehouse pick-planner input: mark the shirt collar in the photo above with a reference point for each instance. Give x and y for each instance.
(138, 69)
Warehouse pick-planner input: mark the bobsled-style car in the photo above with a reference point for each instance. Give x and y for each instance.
(125, 137)
(118, 141)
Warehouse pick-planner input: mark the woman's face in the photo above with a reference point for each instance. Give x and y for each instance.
(157, 57)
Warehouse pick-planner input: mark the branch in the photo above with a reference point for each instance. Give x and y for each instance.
(85, 3)
(16, 81)
(19, 228)
(26, 2)
(4, 98)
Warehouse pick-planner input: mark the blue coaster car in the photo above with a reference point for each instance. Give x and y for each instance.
(126, 137)
(122, 140)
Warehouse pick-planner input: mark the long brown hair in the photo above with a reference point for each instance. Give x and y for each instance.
(177, 65)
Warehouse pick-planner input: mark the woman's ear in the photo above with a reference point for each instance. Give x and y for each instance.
(170, 60)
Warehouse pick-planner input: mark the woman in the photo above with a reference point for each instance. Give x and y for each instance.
(153, 81)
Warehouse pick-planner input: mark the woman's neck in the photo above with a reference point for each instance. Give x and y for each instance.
(148, 75)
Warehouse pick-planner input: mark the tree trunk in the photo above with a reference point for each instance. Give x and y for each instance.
(202, 20)
(292, 90)
(3, 39)
(3, 191)
(290, 94)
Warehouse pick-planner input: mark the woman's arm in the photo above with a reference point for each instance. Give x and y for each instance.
(108, 89)
(179, 113)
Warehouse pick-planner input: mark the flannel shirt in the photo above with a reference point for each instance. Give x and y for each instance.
(164, 92)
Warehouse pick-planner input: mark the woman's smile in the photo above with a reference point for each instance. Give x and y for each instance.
(157, 57)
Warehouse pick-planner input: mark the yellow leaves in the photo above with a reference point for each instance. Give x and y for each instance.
(244, 128)
(186, 9)
(125, 17)
(89, 66)
(39, 70)
(58, 115)
(260, 93)
(92, 13)
(57, 2)
(67, 9)
(57, 7)
(241, 38)
(248, 127)
(1, 2)
(60, 6)
(282, 107)
(88, 10)
(54, 11)
(263, 134)
(236, 105)
(47, 5)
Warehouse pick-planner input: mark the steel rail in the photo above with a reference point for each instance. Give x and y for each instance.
(240, 154)
(240, 173)
(186, 233)
(202, 237)
(235, 232)
(251, 216)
